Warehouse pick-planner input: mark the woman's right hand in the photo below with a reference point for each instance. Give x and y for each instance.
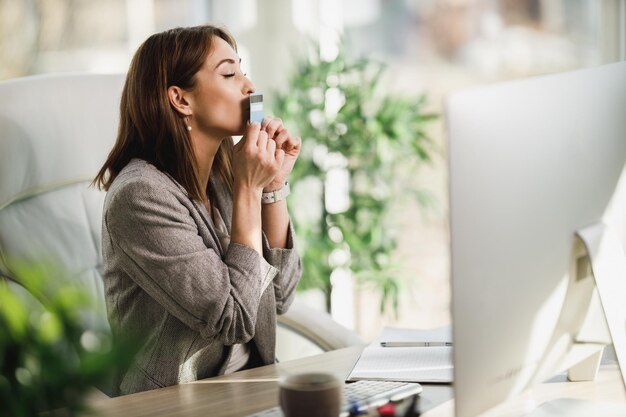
(256, 159)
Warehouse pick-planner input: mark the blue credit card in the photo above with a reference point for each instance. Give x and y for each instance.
(256, 107)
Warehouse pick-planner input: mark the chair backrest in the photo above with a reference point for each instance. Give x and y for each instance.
(55, 133)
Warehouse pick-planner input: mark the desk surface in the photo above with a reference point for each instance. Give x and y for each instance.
(246, 392)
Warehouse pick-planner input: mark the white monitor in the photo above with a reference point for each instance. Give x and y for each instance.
(531, 163)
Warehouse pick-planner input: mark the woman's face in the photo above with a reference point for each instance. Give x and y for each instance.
(220, 99)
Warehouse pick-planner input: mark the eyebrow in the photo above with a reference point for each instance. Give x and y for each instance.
(229, 60)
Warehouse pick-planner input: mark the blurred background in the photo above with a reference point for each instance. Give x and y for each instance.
(428, 47)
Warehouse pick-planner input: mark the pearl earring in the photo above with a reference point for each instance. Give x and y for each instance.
(188, 128)
(187, 123)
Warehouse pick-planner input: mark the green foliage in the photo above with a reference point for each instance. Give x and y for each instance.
(49, 358)
(347, 123)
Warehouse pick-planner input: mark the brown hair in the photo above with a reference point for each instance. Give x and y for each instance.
(150, 128)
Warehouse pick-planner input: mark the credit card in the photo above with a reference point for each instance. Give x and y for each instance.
(256, 107)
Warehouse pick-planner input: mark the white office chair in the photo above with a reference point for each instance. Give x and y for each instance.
(55, 133)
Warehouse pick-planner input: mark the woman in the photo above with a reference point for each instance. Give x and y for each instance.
(195, 265)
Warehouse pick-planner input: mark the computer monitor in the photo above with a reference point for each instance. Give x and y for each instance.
(531, 163)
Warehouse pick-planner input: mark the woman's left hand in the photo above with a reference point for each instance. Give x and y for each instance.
(289, 144)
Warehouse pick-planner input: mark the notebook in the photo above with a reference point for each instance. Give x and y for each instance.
(408, 364)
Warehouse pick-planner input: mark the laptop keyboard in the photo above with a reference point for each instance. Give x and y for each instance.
(364, 393)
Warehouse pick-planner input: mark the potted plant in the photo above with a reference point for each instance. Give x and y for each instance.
(359, 138)
(49, 355)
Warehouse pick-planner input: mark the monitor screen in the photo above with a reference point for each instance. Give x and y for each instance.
(531, 162)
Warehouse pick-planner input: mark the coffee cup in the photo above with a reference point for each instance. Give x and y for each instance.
(310, 395)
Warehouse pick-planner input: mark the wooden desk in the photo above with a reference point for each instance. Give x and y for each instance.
(246, 392)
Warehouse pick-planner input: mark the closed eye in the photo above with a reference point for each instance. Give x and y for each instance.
(233, 74)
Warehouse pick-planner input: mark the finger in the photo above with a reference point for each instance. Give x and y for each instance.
(297, 144)
(271, 147)
(282, 138)
(265, 122)
(279, 157)
(262, 140)
(273, 126)
(252, 134)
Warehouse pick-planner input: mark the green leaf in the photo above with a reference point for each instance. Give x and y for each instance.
(383, 137)
(43, 365)
(13, 315)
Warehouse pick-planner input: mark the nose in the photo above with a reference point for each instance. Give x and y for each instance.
(248, 86)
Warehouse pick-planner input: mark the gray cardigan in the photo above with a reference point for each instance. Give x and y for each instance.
(169, 283)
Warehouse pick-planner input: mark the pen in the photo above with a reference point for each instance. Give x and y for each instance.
(414, 344)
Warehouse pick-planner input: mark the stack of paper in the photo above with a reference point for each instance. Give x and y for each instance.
(410, 364)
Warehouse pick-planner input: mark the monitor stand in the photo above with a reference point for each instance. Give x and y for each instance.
(608, 267)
